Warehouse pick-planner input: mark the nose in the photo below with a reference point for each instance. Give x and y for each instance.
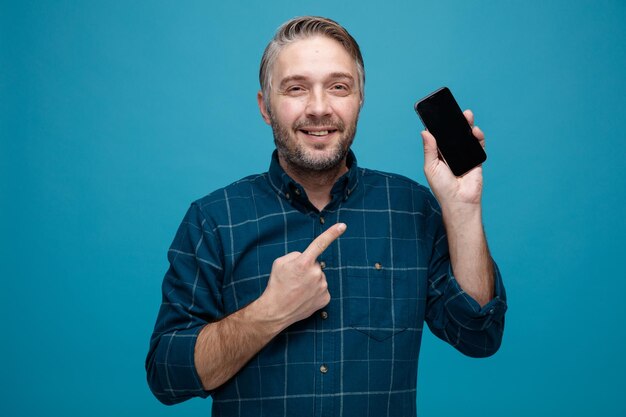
(318, 104)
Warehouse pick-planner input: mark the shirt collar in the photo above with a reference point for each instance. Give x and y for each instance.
(289, 189)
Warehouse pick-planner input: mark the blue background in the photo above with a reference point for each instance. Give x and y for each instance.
(115, 115)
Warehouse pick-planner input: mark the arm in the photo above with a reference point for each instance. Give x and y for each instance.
(469, 255)
(224, 347)
(194, 348)
(460, 200)
(453, 314)
(191, 298)
(466, 298)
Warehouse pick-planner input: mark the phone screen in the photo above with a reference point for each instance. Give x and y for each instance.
(444, 119)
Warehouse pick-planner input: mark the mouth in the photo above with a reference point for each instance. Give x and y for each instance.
(318, 132)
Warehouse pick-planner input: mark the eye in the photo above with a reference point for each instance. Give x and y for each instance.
(340, 89)
(295, 90)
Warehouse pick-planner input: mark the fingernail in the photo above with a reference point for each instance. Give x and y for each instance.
(341, 227)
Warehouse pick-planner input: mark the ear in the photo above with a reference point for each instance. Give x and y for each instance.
(264, 113)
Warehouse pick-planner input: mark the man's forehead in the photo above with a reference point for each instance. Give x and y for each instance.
(313, 56)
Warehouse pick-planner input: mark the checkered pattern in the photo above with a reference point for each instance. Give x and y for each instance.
(387, 275)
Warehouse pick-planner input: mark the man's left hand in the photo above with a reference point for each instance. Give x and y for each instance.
(451, 191)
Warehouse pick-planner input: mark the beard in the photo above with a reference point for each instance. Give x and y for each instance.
(295, 154)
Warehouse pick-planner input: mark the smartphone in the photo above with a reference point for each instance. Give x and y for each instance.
(443, 118)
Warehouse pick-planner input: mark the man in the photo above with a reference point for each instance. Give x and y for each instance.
(303, 290)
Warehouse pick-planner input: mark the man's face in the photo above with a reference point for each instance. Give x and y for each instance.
(315, 102)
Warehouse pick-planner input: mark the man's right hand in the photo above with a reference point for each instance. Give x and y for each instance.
(296, 289)
(297, 286)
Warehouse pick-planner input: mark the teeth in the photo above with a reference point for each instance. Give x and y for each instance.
(320, 133)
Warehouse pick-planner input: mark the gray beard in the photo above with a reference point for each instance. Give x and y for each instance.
(296, 156)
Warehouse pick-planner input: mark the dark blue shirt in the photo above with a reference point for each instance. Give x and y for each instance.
(387, 275)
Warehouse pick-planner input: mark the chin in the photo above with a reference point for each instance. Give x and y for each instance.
(323, 162)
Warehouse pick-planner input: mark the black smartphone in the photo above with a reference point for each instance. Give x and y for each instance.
(443, 118)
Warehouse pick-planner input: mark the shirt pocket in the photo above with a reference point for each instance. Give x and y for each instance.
(377, 302)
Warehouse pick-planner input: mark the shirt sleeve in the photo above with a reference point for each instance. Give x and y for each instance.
(191, 298)
(452, 314)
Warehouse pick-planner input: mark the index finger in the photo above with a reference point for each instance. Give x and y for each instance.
(323, 241)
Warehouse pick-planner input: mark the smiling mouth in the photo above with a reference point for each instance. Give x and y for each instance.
(318, 132)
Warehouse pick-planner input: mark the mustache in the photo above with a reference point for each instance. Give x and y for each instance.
(321, 122)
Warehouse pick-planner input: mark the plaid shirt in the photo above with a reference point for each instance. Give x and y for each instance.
(387, 275)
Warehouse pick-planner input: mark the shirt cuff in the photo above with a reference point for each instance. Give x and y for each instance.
(468, 314)
(178, 365)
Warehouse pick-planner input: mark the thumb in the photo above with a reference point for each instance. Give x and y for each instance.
(431, 155)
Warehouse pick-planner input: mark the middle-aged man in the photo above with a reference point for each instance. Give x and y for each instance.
(303, 290)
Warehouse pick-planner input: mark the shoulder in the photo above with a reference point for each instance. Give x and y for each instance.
(243, 188)
(219, 204)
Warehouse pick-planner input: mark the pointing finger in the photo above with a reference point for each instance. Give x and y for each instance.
(323, 241)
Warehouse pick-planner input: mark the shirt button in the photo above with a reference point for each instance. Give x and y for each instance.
(323, 369)
(324, 315)
(378, 266)
(322, 264)
(322, 220)
(297, 191)
(288, 196)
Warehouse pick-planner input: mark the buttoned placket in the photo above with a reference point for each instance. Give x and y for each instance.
(325, 365)
(325, 360)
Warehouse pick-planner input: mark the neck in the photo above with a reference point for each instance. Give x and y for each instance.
(317, 184)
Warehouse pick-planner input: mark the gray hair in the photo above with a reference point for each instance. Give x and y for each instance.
(301, 28)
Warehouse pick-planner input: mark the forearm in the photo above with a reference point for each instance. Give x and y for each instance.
(225, 346)
(469, 254)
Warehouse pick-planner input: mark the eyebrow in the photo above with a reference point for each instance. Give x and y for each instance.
(332, 76)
